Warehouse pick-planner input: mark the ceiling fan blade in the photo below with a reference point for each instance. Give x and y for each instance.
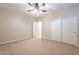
(30, 4)
(29, 10)
(44, 10)
(43, 4)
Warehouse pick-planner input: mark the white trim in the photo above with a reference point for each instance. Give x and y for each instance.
(6, 42)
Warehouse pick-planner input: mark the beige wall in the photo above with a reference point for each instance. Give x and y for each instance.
(46, 27)
(14, 26)
(56, 29)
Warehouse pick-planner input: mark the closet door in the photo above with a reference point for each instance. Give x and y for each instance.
(56, 29)
(69, 30)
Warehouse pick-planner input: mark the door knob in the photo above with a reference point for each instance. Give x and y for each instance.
(75, 32)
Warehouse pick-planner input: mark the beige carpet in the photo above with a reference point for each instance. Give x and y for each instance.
(37, 46)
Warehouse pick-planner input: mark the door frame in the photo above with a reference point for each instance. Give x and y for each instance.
(37, 25)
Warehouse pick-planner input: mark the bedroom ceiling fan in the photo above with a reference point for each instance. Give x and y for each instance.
(37, 8)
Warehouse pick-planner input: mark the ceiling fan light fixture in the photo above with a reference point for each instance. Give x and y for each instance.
(38, 8)
(35, 11)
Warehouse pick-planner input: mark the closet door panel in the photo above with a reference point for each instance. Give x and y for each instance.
(69, 30)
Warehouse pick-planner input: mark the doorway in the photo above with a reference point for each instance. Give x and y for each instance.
(37, 29)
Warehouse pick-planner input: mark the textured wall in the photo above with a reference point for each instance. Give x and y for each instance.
(56, 29)
(46, 29)
(14, 26)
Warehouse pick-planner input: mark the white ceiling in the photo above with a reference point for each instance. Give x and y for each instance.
(61, 6)
(54, 7)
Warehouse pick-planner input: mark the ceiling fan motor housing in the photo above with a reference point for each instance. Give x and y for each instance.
(37, 5)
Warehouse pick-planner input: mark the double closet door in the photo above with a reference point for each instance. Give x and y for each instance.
(64, 30)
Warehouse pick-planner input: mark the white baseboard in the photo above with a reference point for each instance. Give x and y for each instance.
(13, 41)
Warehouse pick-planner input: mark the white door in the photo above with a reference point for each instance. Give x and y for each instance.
(69, 30)
(37, 27)
(56, 29)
